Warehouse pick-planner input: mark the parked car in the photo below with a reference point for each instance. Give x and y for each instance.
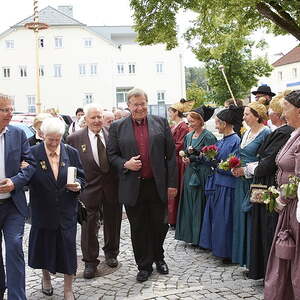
(28, 129)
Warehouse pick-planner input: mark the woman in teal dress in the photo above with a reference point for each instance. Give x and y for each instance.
(254, 116)
(192, 201)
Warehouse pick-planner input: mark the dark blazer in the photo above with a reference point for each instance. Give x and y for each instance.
(95, 179)
(51, 203)
(122, 146)
(16, 150)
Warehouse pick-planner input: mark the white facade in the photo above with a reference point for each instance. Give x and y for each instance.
(286, 73)
(80, 65)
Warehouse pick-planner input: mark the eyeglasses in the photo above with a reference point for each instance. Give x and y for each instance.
(6, 110)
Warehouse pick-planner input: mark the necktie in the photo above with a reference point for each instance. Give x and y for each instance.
(54, 164)
(103, 161)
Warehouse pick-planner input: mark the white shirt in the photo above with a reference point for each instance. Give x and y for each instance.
(93, 141)
(76, 126)
(2, 161)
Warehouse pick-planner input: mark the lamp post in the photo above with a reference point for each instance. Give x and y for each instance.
(36, 26)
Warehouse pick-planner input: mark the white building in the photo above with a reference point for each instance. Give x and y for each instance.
(80, 64)
(286, 72)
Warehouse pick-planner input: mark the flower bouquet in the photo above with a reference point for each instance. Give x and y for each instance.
(231, 162)
(289, 190)
(269, 198)
(210, 152)
(189, 151)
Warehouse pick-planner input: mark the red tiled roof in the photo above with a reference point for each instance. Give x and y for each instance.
(291, 57)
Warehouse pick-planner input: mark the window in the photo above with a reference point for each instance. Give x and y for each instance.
(41, 42)
(31, 103)
(93, 69)
(161, 96)
(87, 43)
(42, 71)
(159, 67)
(280, 75)
(57, 71)
(121, 95)
(120, 68)
(58, 42)
(82, 69)
(88, 98)
(6, 72)
(23, 71)
(9, 44)
(294, 73)
(131, 68)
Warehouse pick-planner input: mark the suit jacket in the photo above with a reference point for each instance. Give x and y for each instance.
(17, 149)
(96, 180)
(52, 204)
(122, 146)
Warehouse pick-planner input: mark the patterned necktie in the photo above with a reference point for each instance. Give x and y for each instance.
(103, 161)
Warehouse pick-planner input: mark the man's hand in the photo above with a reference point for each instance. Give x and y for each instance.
(172, 192)
(134, 164)
(6, 186)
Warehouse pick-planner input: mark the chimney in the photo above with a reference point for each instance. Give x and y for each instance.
(66, 9)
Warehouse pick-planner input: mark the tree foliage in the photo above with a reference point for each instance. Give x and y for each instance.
(194, 92)
(196, 76)
(242, 72)
(218, 20)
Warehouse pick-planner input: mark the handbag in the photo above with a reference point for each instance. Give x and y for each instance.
(81, 213)
(285, 244)
(257, 191)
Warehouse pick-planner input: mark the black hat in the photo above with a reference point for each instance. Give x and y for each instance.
(294, 98)
(264, 90)
(206, 112)
(232, 115)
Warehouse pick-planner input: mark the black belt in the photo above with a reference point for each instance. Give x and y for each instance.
(3, 201)
(146, 179)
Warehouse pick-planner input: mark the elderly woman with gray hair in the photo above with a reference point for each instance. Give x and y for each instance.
(52, 240)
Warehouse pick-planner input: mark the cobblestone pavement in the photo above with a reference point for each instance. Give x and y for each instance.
(194, 274)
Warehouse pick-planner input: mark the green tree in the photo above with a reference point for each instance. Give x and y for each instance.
(196, 75)
(156, 19)
(242, 72)
(194, 92)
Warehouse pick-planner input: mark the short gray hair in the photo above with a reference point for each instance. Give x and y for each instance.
(135, 93)
(53, 125)
(91, 106)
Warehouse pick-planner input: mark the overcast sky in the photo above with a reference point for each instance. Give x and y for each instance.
(114, 12)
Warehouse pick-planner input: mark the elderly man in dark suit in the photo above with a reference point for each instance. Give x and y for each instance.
(141, 147)
(101, 191)
(14, 149)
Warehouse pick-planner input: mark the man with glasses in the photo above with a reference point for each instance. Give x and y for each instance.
(141, 148)
(14, 149)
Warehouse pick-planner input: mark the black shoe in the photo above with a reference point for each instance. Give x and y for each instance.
(143, 275)
(162, 267)
(111, 262)
(89, 271)
(47, 292)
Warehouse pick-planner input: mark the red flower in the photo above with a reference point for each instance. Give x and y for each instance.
(234, 162)
(204, 149)
(212, 148)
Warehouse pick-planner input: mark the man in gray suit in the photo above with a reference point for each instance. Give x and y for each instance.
(141, 148)
(100, 191)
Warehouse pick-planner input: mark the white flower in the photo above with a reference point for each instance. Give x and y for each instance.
(182, 153)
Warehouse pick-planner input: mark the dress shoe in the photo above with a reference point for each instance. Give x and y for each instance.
(162, 267)
(89, 271)
(143, 275)
(47, 292)
(111, 262)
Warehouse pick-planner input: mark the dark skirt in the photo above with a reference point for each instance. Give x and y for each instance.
(264, 226)
(53, 250)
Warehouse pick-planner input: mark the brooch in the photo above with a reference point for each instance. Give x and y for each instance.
(83, 147)
(43, 165)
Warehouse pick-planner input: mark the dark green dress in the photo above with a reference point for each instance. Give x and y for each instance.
(192, 201)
